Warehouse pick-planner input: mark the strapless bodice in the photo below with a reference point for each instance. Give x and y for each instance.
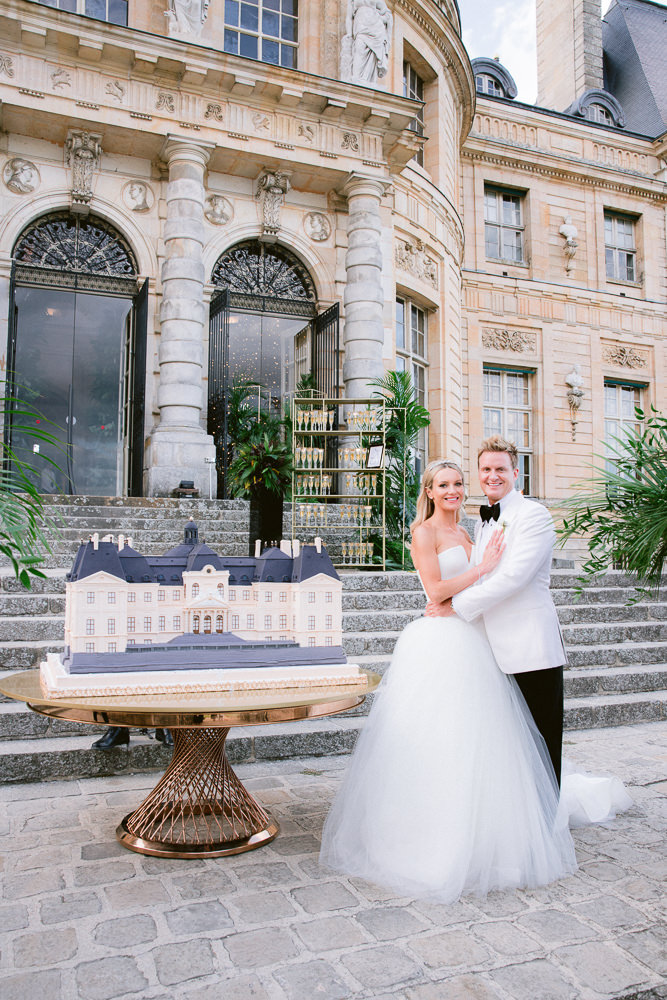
(453, 562)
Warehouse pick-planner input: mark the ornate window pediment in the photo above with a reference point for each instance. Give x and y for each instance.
(253, 268)
(492, 79)
(598, 106)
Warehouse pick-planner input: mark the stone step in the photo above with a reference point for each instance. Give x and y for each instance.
(632, 679)
(616, 655)
(619, 633)
(389, 600)
(72, 757)
(602, 614)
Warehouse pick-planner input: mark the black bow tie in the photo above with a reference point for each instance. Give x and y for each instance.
(491, 513)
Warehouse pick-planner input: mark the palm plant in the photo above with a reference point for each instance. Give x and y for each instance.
(405, 418)
(622, 510)
(24, 525)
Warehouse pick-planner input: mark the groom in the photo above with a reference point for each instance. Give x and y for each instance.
(514, 601)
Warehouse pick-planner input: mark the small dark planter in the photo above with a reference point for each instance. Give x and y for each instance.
(266, 519)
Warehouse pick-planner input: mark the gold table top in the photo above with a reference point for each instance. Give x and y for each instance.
(214, 708)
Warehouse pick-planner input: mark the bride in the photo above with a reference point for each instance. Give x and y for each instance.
(450, 789)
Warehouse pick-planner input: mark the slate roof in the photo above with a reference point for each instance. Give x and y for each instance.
(634, 42)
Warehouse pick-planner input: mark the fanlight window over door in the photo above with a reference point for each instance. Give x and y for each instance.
(76, 351)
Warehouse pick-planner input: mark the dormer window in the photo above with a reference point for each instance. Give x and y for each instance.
(492, 79)
(598, 113)
(486, 84)
(598, 106)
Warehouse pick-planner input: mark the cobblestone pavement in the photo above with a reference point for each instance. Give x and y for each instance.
(83, 919)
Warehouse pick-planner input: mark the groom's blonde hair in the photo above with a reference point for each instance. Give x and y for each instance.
(498, 443)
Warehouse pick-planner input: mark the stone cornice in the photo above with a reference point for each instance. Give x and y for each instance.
(541, 162)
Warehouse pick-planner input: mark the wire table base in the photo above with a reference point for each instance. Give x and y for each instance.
(199, 808)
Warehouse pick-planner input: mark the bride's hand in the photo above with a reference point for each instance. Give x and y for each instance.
(493, 552)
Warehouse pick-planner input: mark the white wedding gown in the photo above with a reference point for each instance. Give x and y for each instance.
(450, 789)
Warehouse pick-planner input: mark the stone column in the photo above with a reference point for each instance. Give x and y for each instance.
(363, 334)
(178, 446)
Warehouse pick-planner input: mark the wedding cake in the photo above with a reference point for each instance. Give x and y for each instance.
(194, 621)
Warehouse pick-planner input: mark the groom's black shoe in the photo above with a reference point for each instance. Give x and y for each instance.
(115, 736)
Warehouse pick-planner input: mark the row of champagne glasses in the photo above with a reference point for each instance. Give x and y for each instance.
(352, 513)
(313, 485)
(357, 552)
(366, 483)
(311, 514)
(364, 420)
(349, 457)
(314, 420)
(309, 458)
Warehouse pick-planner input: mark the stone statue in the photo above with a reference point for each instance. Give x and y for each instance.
(575, 394)
(218, 210)
(272, 187)
(185, 18)
(82, 153)
(365, 46)
(137, 196)
(21, 176)
(569, 233)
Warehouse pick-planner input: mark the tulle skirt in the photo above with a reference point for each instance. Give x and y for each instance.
(450, 789)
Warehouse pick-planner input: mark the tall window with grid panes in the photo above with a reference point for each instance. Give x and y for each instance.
(411, 348)
(266, 30)
(504, 230)
(413, 86)
(508, 412)
(620, 251)
(620, 418)
(114, 11)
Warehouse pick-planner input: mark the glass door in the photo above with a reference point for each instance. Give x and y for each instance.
(69, 362)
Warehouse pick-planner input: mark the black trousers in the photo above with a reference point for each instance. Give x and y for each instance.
(543, 691)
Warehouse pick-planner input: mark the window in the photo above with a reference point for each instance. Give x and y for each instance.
(507, 411)
(90, 647)
(411, 347)
(90, 597)
(283, 595)
(175, 595)
(148, 597)
(246, 595)
(148, 624)
(328, 597)
(487, 84)
(194, 590)
(598, 113)
(328, 621)
(255, 595)
(620, 418)
(268, 596)
(131, 642)
(267, 621)
(195, 624)
(311, 640)
(262, 29)
(176, 623)
(311, 622)
(114, 11)
(236, 621)
(160, 594)
(250, 621)
(131, 624)
(219, 626)
(131, 597)
(503, 225)
(620, 253)
(111, 626)
(208, 624)
(328, 641)
(90, 626)
(232, 594)
(413, 86)
(162, 624)
(111, 597)
(111, 647)
(282, 623)
(311, 596)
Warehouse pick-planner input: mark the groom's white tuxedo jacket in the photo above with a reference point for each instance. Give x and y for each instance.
(514, 600)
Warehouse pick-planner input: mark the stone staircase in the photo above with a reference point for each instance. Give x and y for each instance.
(617, 672)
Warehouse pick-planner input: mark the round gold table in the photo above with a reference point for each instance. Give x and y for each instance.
(199, 808)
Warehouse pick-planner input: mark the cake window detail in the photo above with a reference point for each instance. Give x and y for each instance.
(246, 595)
(328, 621)
(111, 626)
(111, 597)
(208, 627)
(90, 647)
(90, 597)
(131, 642)
(175, 595)
(267, 621)
(148, 624)
(195, 624)
(311, 596)
(160, 594)
(311, 640)
(176, 623)
(219, 623)
(232, 594)
(90, 626)
(131, 624)
(328, 641)
(235, 621)
(268, 596)
(311, 622)
(255, 595)
(250, 622)
(283, 595)
(162, 623)
(111, 647)
(283, 621)
(328, 597)
(194, 592)
(131, 597)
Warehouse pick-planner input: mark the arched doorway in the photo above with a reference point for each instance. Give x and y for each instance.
(77, 351)
(265, 329)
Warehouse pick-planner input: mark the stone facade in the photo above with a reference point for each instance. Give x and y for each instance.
(188, 150)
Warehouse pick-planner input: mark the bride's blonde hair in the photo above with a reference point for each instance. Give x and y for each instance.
(425, 505)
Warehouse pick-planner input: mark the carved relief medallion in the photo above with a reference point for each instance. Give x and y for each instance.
(624, 357)
(116, 90)
(317, 226)
(213, 112)
(218, 210)
(411, 256)
(165, 102)
(21, 176)
(6, 64)
(60, 78)
(138, 196)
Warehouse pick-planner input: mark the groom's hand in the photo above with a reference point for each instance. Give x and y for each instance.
(434, 609)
